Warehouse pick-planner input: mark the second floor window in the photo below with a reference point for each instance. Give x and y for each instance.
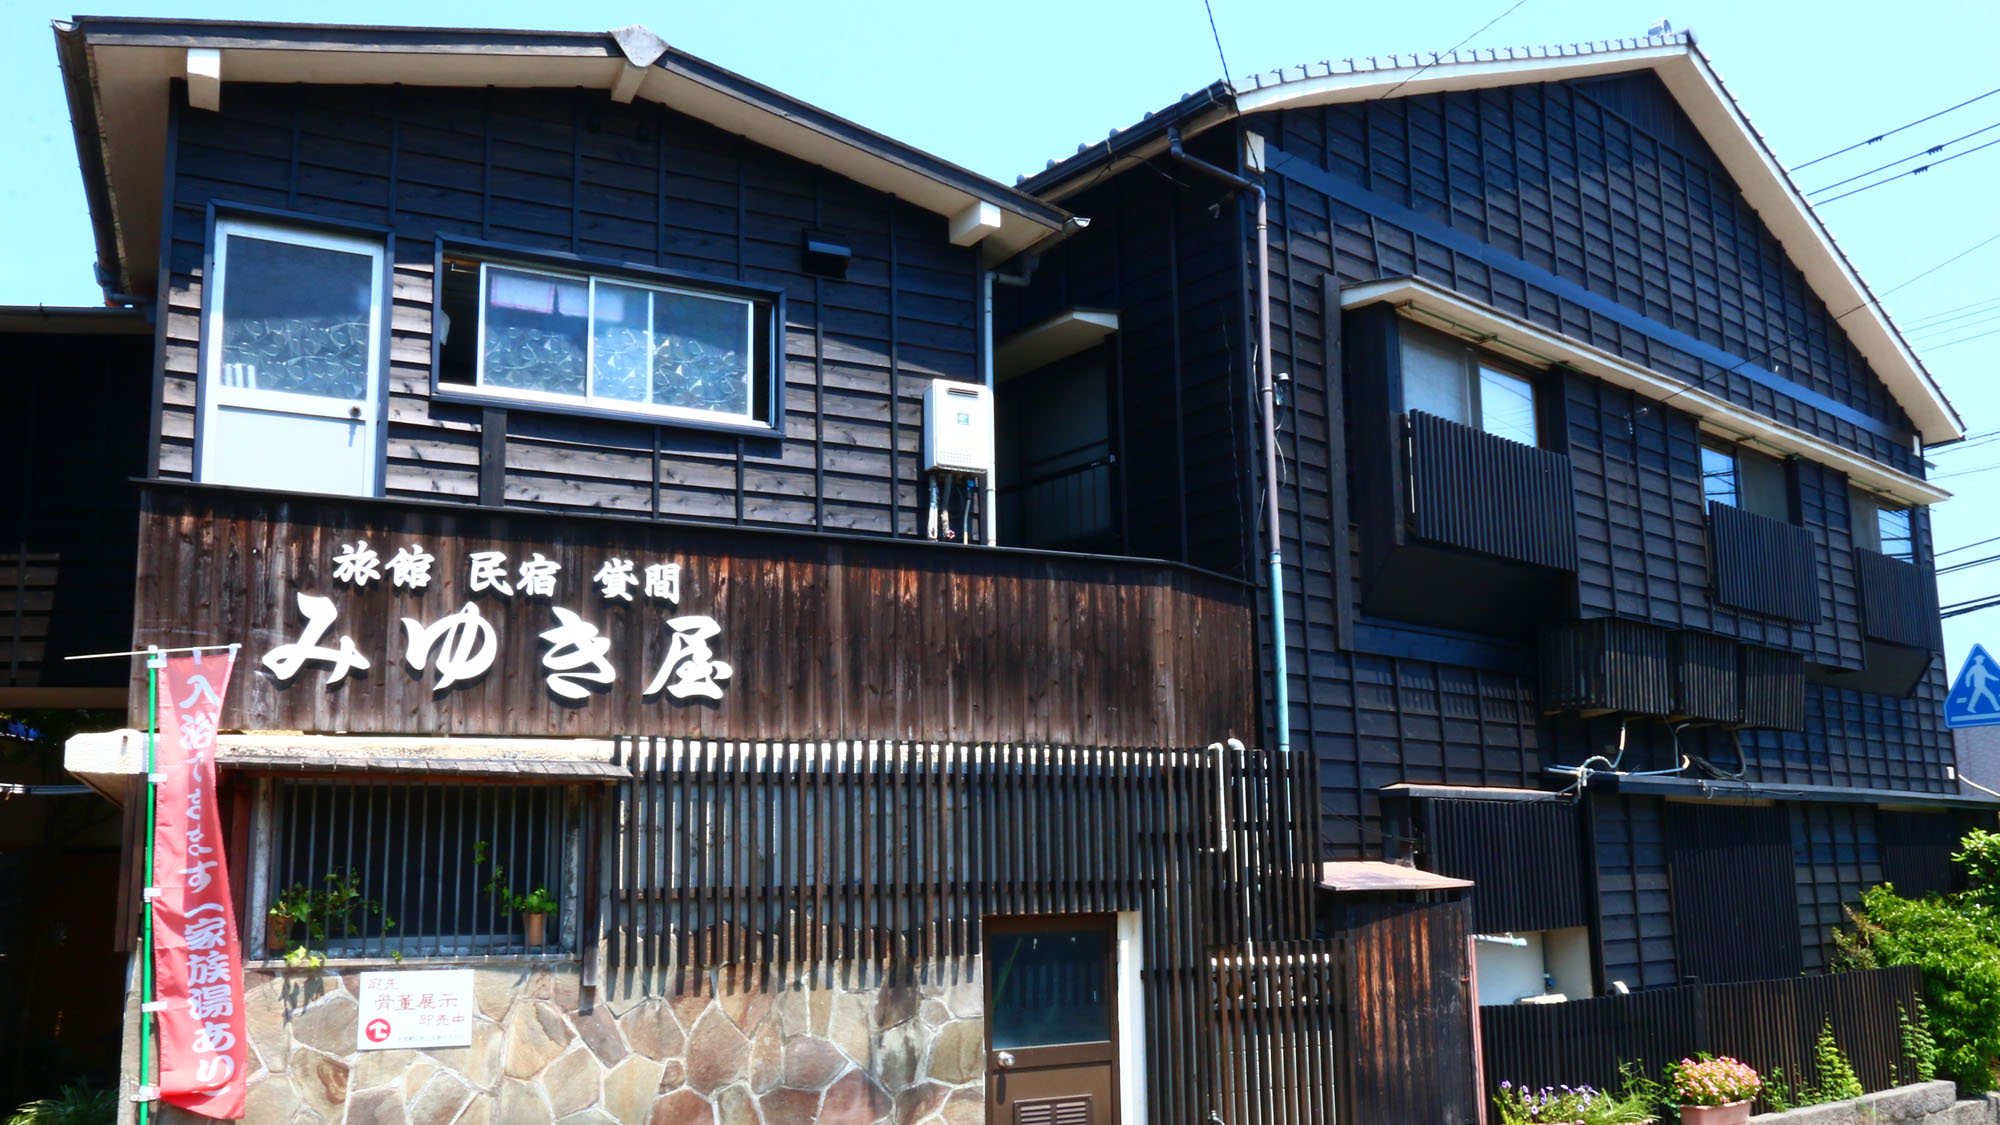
(1741, 478)
(1883, 526)
(628, 345)
(1451, 380)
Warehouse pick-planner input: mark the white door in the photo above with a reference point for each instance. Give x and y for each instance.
(291, 360)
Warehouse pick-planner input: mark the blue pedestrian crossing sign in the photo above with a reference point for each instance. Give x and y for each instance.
(1975, 696)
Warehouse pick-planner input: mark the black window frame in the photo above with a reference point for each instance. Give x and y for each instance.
(1779, 486)
(1868, 511)
(1476, 361)
(768, 346)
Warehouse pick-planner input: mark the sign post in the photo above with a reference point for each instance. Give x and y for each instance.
(1974, 699)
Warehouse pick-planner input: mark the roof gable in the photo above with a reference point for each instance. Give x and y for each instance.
(119, 72)
(1695, 88)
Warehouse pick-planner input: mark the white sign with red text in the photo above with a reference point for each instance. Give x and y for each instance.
(415, 1008)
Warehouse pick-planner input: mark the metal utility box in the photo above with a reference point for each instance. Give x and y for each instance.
(958, 428)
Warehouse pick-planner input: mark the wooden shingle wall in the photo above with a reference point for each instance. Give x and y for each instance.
(569, 171)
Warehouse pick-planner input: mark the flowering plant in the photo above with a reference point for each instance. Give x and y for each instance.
(1567, 1105)
(1713, 1081)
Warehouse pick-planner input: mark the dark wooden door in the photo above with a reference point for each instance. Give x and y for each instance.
(1051, 1020)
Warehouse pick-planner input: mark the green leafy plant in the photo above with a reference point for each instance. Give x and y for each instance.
(1951, 938)
(1979, 857)
(537, 901)
(1709, 1080)
(1581, 1105)
(1920, 1049)
(1780, 1094)
(1837, 1080)
(337, 901)
(75, 1105)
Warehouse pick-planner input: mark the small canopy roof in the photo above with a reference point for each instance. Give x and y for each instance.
(1375, 875)
(118, 74)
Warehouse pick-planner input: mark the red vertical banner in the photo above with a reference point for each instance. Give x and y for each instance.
(197, 958)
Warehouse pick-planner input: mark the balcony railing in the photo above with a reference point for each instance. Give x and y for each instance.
(1478, 492)
(1898, 601)
(1763, 565)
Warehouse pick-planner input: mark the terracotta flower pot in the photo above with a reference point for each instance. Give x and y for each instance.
(1735, 1113)
(532, 927)
(278, 934)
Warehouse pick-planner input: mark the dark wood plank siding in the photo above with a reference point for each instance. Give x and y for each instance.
(1634, 892)
(1733, 883)
(1167, 253)
(568, 171)
(76, 438)
(827, 637)
(1835, 856)
(1526, 860)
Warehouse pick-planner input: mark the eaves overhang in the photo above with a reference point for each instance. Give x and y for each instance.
(1455, 314)
(1694, 85)
(119, 75)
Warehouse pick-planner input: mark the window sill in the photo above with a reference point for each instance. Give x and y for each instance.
(472, 961)
(499, 400)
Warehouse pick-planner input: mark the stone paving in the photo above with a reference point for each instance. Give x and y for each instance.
(715, 1053)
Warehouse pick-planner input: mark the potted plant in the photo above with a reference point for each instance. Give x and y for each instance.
(533, 907)
(285, 911)
(334, 903)
(1714, 1091)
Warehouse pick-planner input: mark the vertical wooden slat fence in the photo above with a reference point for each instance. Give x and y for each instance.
(1767, 1024)
(790, 858)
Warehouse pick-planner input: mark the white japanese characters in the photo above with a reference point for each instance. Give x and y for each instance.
(464, 645)
(286, 660)
(410, 567)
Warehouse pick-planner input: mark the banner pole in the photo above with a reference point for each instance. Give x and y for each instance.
(154, 660)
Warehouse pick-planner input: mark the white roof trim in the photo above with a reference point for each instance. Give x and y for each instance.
(1450, 312)
(1765, 184)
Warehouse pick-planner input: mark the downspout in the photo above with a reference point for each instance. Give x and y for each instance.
(989, 505)
(1266, 389)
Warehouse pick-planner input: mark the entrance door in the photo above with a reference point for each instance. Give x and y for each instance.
(291, 360)
(1051, 1020)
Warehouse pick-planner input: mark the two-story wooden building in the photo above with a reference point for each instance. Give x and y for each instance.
(1598, 475)
(551, 418)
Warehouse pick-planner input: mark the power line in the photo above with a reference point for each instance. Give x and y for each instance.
(1210, 9)
(1439, 57)
(1893, 132)
(1966, 472)
(1972, 606)
(1876, 299)
(1968, 564)
(1967, 547)
(1931, 151)
(1962, 340)
(1919, 170)
(1944, 314)
(1977, 316)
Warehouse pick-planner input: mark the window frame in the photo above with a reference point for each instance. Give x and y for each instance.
(1735, 451)
(381, 240)
(1472, 375)
(565, 940)
(767, 334)
(1867, 533)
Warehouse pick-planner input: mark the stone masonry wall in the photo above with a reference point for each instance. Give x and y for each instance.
(851, 1049)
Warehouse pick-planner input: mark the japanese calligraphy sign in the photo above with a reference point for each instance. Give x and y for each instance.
(417, 1008)
(454, 640)
(419, 618)
(196, 958)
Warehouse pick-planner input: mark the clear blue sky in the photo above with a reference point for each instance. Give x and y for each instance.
(1002, 88)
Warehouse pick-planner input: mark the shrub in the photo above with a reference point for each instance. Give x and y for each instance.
(77, 1105)
(1952, 940)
